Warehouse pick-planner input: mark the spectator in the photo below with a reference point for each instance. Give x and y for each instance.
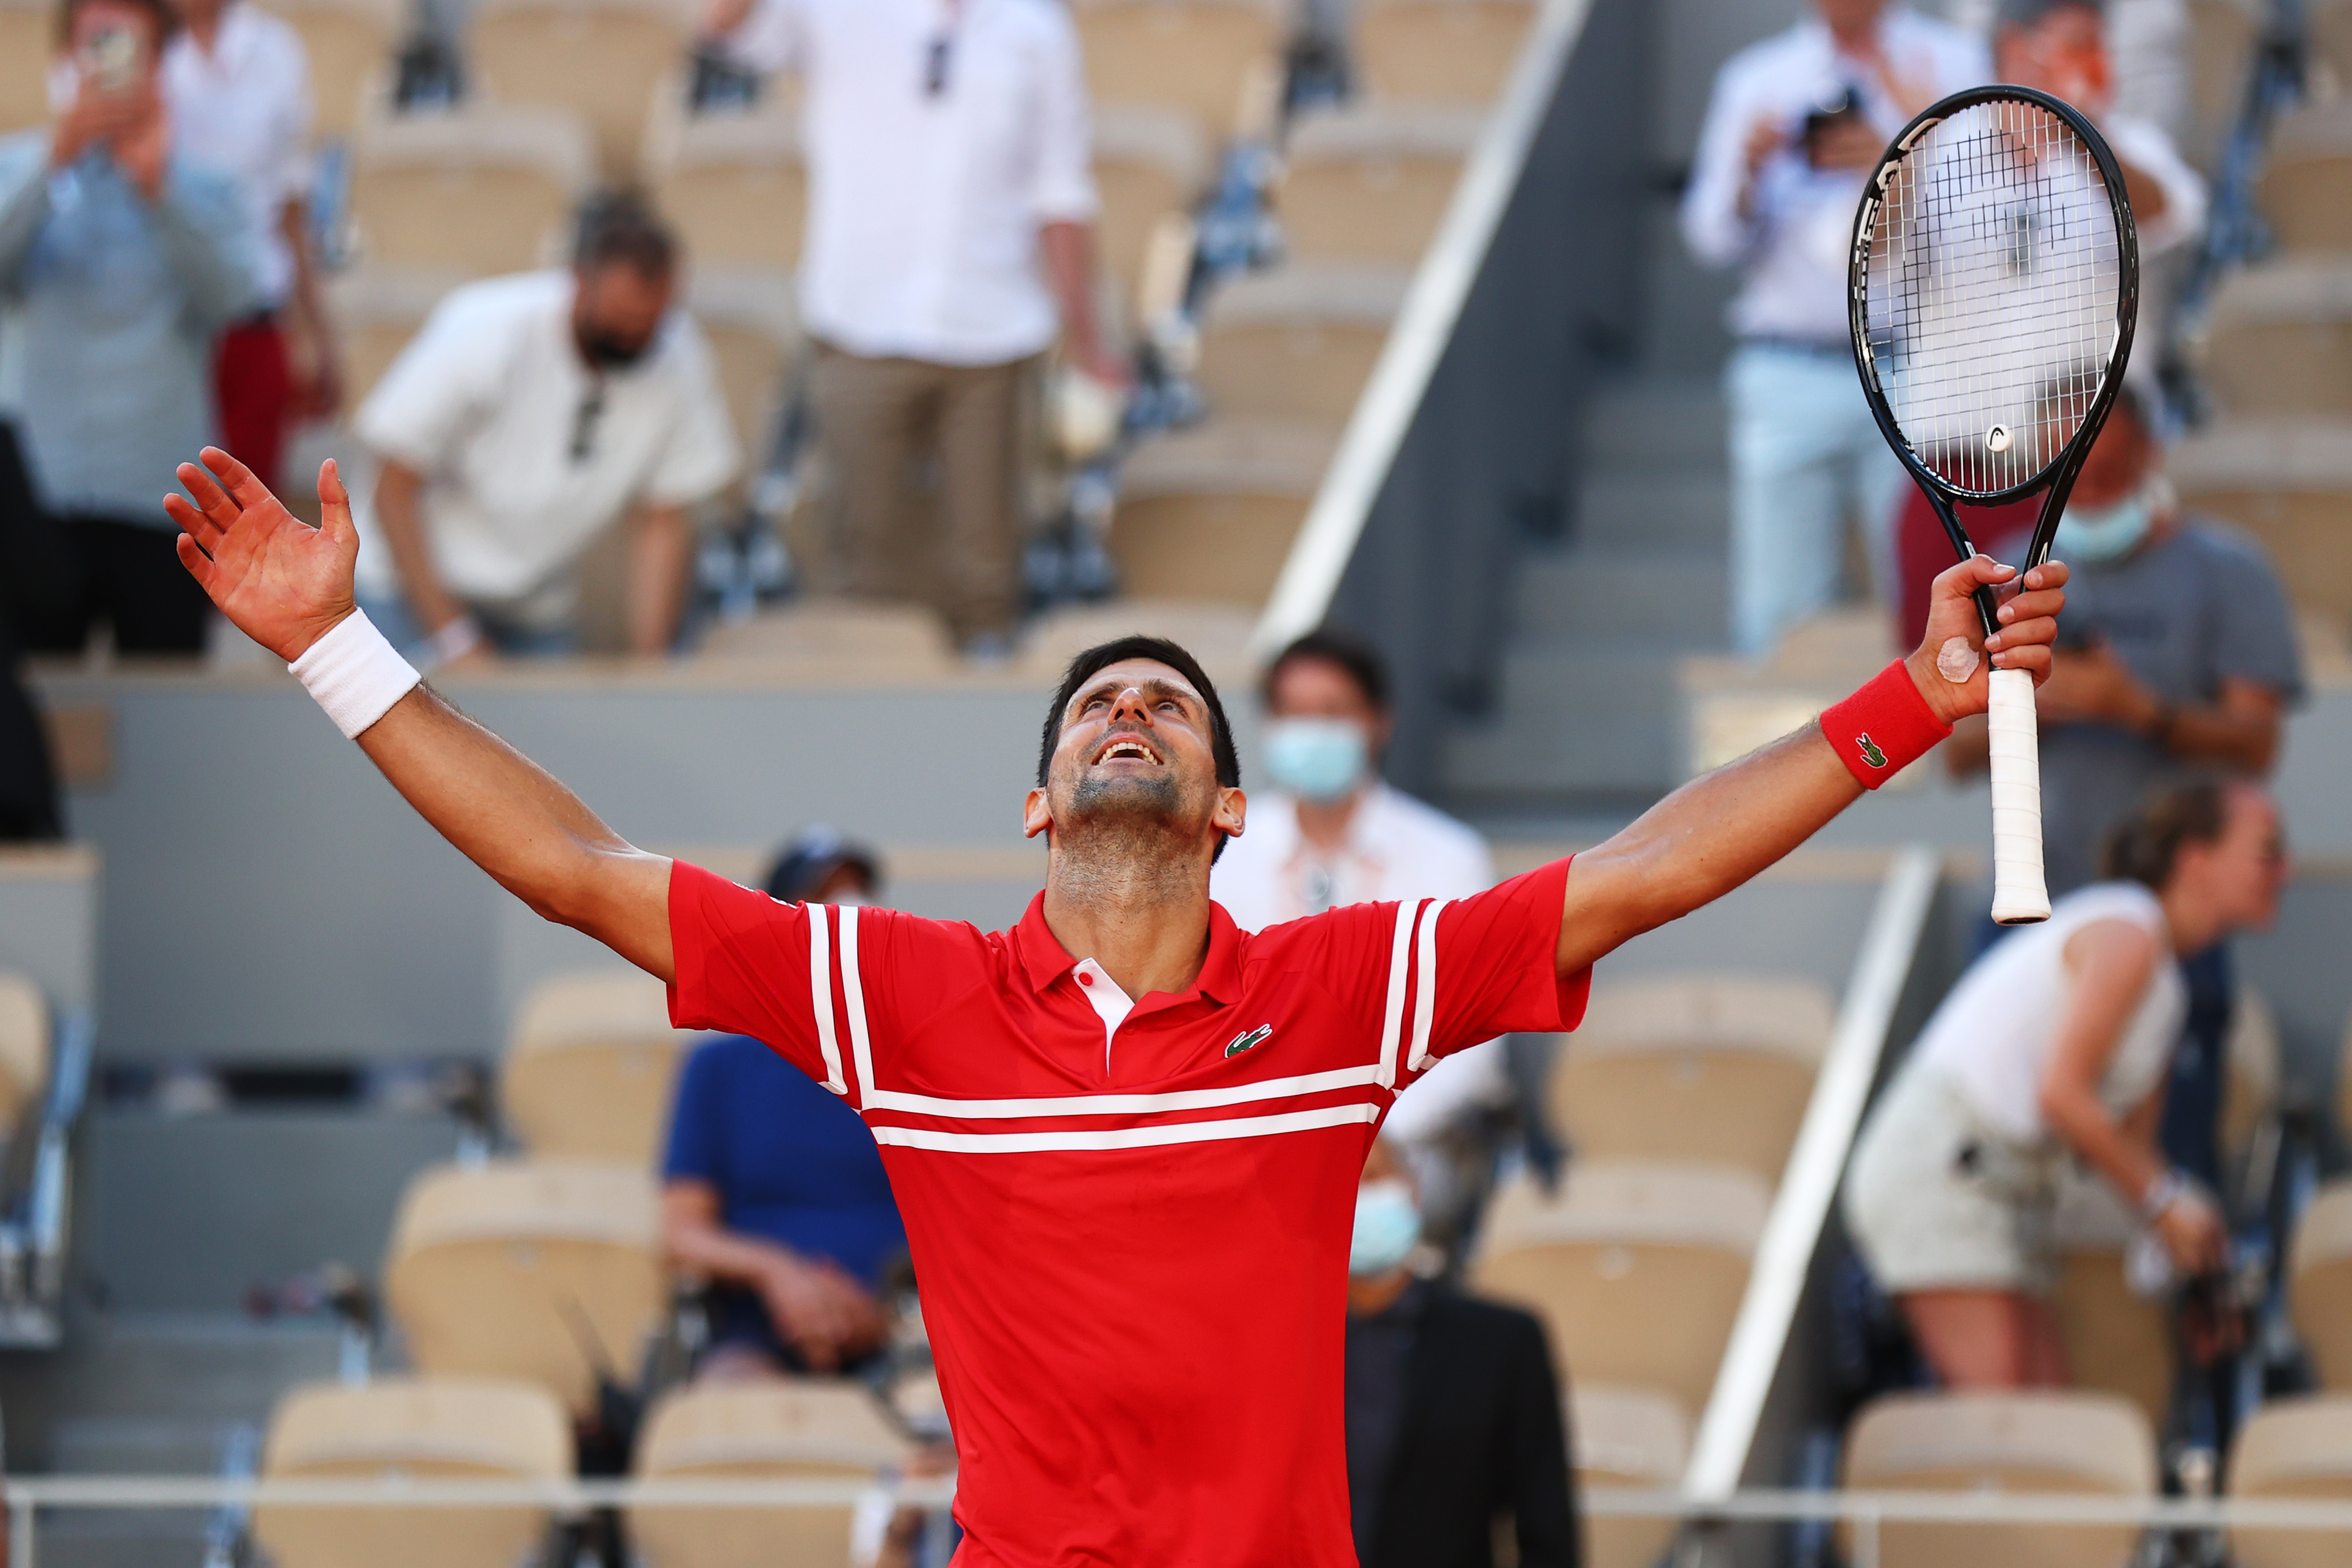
(1454, 1417)
(238, 84)
(928, 309)
(119, 260)
(1794, 126)
(532, 413)
(2055, 1045)
(2058, 46)
(772, 1186)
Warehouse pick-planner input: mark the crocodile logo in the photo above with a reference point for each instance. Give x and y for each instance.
(1243, 1041)
(1870, 752)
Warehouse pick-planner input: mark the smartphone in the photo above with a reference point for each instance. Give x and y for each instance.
(1844, 106)
(112, 59)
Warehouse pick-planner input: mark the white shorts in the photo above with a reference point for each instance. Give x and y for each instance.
(1936, 1201)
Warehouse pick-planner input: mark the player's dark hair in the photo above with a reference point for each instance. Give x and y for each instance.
(1101, 656)
(2028, 14)
(2145, 848)
(1334, 645)
(159, 12)
(620, 227)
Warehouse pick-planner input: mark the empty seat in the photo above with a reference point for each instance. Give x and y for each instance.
(2330, 25)
(1210, 513)
(1194, 55)
(2279, 339)
(351, 45)
(601, 59)
(2306, 180)
(2038, 1441)
(2319, 1283)
(1633, 1439)
(765, 1431)
(429, 1428)
(1637, 1269)
(2117, 1340)
(544, 1270)
(1148, 162)
(733, 181)
(27, 45)
(2220, 53)
(1439, 51)
(377, 310)
(23, 1050)
(482, 191)
(588, 1069)
(2298, 1450)
(1708, 1068)
(1297, 343)
(2288, 482)
(748, 316)
(1370, 185)
(836, 636)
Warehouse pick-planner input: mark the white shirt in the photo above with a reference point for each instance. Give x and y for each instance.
(923, 208)
(1793, 248)
(488, 403)
(1995, 1031)
(244, 108)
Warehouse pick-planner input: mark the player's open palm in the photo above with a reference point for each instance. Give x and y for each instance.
(1950, 664)
(280, 580)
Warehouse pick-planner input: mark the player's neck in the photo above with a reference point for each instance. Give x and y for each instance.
(1141, 912)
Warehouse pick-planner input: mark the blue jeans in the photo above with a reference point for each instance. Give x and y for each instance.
(393, 619)
(1805, 455)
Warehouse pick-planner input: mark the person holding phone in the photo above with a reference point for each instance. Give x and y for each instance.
(121, 260)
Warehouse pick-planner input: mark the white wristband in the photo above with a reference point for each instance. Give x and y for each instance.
(354, 674)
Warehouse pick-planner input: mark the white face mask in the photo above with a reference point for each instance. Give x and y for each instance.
(1318, 759)
(2099, 534)
(1388, 1227)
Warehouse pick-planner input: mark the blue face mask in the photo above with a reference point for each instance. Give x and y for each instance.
(1388, 1227)
(2096, 534)
(1318, 759)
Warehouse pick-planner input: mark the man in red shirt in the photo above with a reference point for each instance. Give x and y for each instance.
(1125, 1136)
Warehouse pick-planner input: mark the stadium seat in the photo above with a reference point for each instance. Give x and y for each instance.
(2293, 1449)
(2330, 26)
(427, 1428)
(731, 179)
(1148, 162)
(2037, 1441)
(1439, 51)
(1370, 185)
(1637, 1269)
(2288, 482)
(1194, 55)
(799, 1430)
(1297, 343)
(1713, 1069)
(377, 310)
(2118, 1341)
(2319, 1283)
(2279, 338)
(546, 1270)
(2307, 181)
(2222, 35)
(1632, 1439)
(748, 314)
(351, 44)
(601, 59)
(481, 191)
(23, 1050)
(589, 1068)
(27, 45)
(1210, 513)
(836, 637)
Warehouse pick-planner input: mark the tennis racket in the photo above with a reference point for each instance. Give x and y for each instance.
(1994, 283)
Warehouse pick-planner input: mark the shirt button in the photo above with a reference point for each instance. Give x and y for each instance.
(1084, 979)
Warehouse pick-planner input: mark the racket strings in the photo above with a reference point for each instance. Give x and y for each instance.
(1992, 288)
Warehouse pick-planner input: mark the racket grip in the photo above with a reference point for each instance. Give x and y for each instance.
(2019, 894)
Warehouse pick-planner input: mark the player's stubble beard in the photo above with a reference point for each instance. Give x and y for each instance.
(1126, 840)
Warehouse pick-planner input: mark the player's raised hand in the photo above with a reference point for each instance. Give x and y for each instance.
(280, 580)
(1950, 664)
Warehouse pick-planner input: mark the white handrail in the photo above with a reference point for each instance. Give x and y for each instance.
(1441, 284)
(1809, 1182)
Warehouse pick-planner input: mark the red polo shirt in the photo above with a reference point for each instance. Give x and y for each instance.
(1131, 1231)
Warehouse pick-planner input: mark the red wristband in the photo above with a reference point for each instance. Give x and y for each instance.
(1884, 728)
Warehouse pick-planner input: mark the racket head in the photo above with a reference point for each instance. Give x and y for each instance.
(1994, 287)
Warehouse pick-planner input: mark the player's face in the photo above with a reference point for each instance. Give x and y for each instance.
(1135, 744)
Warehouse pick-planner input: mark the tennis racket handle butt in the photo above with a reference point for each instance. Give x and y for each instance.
(2019, 894)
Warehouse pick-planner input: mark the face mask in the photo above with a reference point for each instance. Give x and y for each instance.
(607, 351)
(1388, 1227)
(2106, 533)
(1316, 759)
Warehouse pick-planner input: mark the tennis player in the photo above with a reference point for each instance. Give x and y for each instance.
(1125, 1136)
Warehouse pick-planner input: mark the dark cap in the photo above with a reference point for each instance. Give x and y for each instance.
(801, 866)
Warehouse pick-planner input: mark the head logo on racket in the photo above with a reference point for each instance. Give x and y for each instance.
(1870, 752)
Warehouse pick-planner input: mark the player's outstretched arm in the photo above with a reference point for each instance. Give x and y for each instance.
(286, 584)
(1720, 829)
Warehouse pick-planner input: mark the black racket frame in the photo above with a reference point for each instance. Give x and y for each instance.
(2059, 475)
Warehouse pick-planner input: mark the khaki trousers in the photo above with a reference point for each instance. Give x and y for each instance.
(927, 465)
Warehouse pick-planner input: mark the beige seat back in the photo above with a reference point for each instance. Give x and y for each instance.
(2279, 339)
(1192, 55)
(1148, 161)
(378, 310)
(2038, 1441)
(28, 31)
(1439, 51)
(1297, 343)
(2319, 1283)
(25, 1039)
(588, 1069)
(2293, 1449)
(2288, 482)
(748, 315)
(769, 1431)
(599, 58)
(482, 191)
(733, 181)
(2118, 1341)
(536, 1269)
(1707, 1068)
(1370, 185)
(2330, 26)
(1210, 513)
(349, 44)
(2306, 180)
(1634, 1439)
(2222, 35)
(411, 1429)
(1636, 1269)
